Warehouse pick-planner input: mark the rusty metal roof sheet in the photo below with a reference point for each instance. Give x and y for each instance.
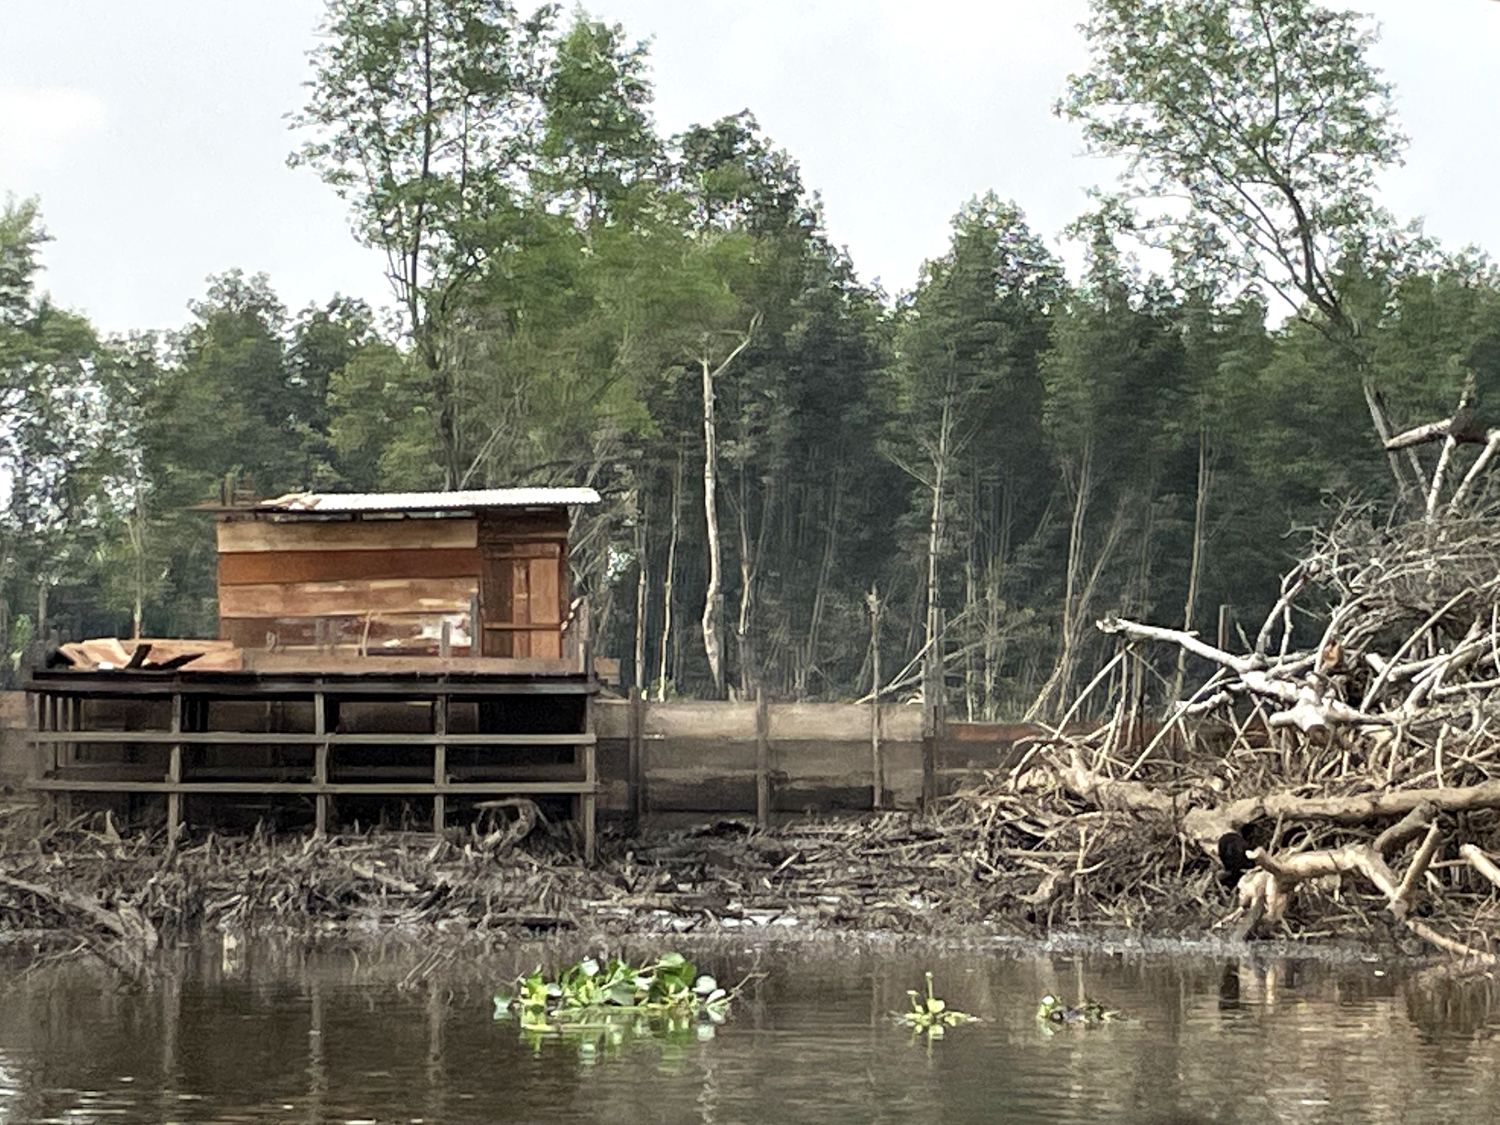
(395, 502)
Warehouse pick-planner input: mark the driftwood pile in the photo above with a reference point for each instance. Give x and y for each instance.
(1346, 760)
(89, 889)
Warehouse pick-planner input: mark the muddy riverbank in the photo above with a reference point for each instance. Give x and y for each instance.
(992, 862)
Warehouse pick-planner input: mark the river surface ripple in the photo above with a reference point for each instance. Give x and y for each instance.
(263, 1033)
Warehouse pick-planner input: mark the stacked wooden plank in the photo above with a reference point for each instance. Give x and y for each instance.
(381, 586)
(104, 654)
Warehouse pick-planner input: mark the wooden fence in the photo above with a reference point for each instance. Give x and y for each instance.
(699, 759)
(686, 761)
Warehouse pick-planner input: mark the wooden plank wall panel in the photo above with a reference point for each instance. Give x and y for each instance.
(250, 568)
(335, 599)
(498, 527)
(404, 634)
(236, 536)
(545, 584)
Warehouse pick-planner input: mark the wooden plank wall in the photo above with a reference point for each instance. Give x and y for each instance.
(700, 758)
(692, 760)
(384, 586)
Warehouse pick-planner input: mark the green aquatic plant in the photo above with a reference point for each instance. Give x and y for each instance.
(601, 1006)
(930, 1014)
(1052, 1010)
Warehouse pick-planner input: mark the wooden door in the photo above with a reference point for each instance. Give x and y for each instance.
(522, 598)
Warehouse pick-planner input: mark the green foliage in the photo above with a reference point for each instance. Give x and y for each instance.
(1266, 115)
(931, 1015)
(60, 455)
(597, 147)
(423, 116)
(600, 1007)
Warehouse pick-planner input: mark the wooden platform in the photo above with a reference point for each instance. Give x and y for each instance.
(89, 730)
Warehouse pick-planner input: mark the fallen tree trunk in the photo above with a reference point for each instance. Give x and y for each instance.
(1204, 825)
(1265, 892)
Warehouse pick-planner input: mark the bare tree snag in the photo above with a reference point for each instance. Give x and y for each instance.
(713, 598)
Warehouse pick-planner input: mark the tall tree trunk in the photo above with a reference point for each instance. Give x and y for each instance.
(973, 655)
(1063, 668)
(877, 765)
(1143, 570)
(935, 520)
(5, 668)
(809, 660)
(668, 583)
(744, 646)
(1383, 432)
(713, 598)
(135, 528)
(424, 315)
(994, 635)
(1195, 564)
(640, 601)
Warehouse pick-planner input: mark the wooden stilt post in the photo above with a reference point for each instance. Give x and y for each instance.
(588, 801)
(320, 764)
(45, 752)
(636, 767)
(174, 775)
(68, 715)
(932, 713)
(440, 761)
(762, 759)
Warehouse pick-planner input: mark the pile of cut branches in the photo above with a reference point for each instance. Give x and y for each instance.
(1357, 760)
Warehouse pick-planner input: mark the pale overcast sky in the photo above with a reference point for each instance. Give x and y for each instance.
(153, 130)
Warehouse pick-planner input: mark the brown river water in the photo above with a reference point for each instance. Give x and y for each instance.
(265, 1033)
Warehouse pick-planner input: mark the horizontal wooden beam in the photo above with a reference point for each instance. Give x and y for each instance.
(353, 535)
(300, 788)
(493, 773)
(250, 568)
(299, 738)
(252, 686)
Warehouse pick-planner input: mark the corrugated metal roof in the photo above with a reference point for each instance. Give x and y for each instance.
(318, 502)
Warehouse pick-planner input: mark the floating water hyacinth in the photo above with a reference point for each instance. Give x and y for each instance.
(931, 1014)
(601, 1006)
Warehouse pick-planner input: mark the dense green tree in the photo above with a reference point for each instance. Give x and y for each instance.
(58, 448)
(425, 116)
(1116, 384)
(598, 152)
(967, 413)
(782, 450)
(1269, 119)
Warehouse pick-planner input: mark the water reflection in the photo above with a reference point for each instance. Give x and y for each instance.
(268, 1033)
